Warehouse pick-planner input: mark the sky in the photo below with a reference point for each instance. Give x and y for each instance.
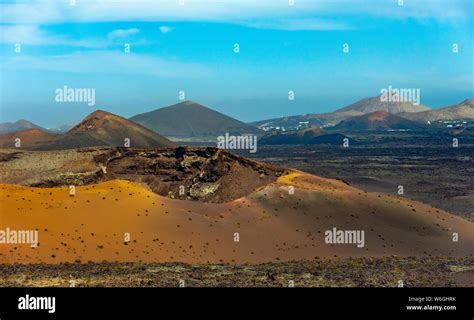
(189, 45)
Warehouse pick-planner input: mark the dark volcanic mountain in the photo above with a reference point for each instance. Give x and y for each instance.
(293, 137)
(102, 128)
(312, 135)
(7, 127)
(192, 120)
(378, 121)
(28, 138)
(460, 111)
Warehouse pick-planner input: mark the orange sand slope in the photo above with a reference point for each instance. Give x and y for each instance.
(272, 225)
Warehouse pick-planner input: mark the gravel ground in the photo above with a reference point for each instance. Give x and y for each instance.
(361, 272)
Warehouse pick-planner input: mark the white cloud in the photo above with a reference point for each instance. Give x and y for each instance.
(232, 11)
(25, 34)
(300, 24)
(165, 29)
(34, 35)
(107, 62)
(122, 33)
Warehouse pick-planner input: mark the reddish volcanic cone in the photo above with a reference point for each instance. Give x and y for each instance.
(28, 138)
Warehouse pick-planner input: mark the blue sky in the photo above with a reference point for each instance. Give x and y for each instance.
(190, 47)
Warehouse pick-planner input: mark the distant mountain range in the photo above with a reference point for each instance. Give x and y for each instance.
(377, 121)
(369, 105)
(19, 125)
(463, 110)
(406, 110)
(63, 128)
(192, 120)
(7, 127)
(99, 128)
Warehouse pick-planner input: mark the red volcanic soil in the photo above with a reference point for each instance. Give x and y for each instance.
(29, 138)
(378, 116)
